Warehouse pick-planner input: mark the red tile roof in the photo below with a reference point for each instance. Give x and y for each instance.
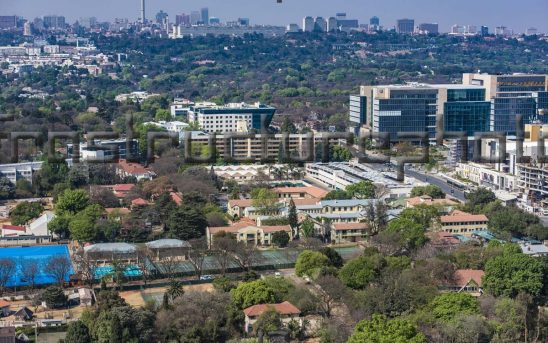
(427, 200)
(14, 227)
(312, 191)
(275, 228)
(139, 202)
(125, 187)
(176, 198)
(284, 308)
(4, 303)
(240, 202)
(462, 217)
(132, 168)
(463, 277)
(349, 226)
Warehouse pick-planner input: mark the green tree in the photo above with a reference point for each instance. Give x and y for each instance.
(60, 226)
(265, 200)
(269, 321)
(360, 271)
(424, 215)
(54, 297)
(51, 174)
(77, 332)
(310, 262)
(82, 228)
(411, 234)
(337, 194)
(25, 211)
(380, 329)
(71, 202)
(448, 306)
(478, 199)
(280, 238)
(292, 216)
(361, 190)
(186, 222)
(252, 293)
(431, 190)
(335, 259)
(7, 189)
(512, 273)
(307, 228)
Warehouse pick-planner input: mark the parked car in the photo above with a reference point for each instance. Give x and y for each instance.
(206, 277)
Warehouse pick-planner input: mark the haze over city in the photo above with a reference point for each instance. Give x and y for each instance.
(517, 15)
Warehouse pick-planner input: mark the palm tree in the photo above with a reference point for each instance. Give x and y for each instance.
(175, 289)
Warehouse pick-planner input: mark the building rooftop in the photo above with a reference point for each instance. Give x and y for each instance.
(167, 244)
(460, 216)
(312, 191)
(111, 247)
(462, 277)
(285, 308)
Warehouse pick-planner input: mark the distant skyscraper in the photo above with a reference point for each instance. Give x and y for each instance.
(182, 19)
(484, 31)
(195, 17)
(143, 14)
(375, 21)
(243, 21)
(214, 21)
(205, 15)
(308, 24)
(341, 16)
(332, 24)
(161, 17)
(405, 26)
(293, 28)
(320, 24)
(8, 22)
(27, 29)
(53, 22)
(87, 22)
(531, 31)
(429, 28)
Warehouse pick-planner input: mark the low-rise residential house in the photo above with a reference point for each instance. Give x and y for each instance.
(236, 207)
(5, 308)
(467, 281)
(462, 223)
(24, 314)
(299, 192)
(129, 169)
(86, 296)
(348, 232)
(7, 334)
(139, 202)
(121, 190)
(287, 311)
(446, 205)
(535, 250)
(249, 232)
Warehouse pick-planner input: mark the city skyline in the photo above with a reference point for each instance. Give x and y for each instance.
(491, 13)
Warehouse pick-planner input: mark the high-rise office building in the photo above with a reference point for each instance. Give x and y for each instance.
(308, 24)
(341, 16)
(27, 29)
(357, 111)
(195, 17)
(513, 95)
(161, 17)
(205, 15)
(87, 22)
(405, 26)
(375, 21)
(332, 24)
(54, 22)
(214, 21)
(429, 28)
(182, 19)
(531, 31)
(243, 21)
(8, 22)
(414, 108)
(320, 24)
(484, 31)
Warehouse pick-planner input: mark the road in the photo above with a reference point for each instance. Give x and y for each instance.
(437, 181)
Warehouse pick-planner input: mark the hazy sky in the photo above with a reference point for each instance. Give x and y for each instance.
(516, 14)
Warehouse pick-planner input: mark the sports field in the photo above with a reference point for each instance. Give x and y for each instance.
(39, 253)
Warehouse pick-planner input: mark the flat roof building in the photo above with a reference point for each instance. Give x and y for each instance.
(232, 116)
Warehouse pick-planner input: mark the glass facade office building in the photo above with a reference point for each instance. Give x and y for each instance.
(466, 111)
(407, 110)
(357, 109)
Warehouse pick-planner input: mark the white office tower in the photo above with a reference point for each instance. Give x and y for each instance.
(332, 24)
(27, 29)
(308, 24)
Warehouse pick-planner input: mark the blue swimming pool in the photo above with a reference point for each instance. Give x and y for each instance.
(131, 271)
(40, 253)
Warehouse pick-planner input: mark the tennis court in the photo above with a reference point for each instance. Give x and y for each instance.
(41, 254)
